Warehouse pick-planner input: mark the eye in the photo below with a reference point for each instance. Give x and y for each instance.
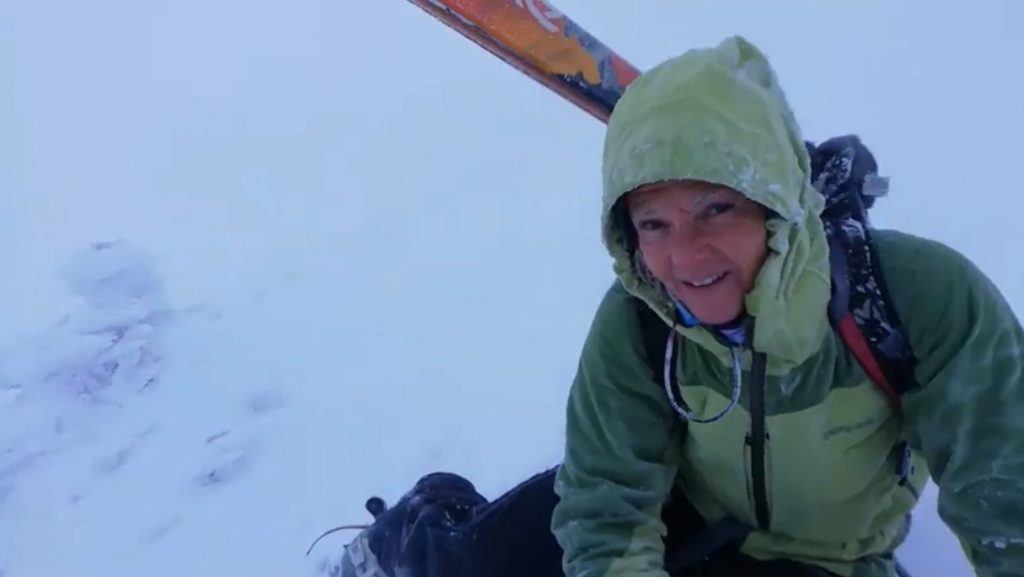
(651, 224)
(717, 208)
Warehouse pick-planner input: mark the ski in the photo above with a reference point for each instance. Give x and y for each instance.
(541, 42)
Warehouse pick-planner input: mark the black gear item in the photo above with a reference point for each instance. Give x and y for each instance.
(430, 516)
(856, 166)
(511, 537)
(861, 310)
(424, 528)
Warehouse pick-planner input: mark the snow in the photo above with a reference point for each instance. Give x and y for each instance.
(262, 262)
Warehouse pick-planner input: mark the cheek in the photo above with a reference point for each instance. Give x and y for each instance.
(658, 259)
(750, 254)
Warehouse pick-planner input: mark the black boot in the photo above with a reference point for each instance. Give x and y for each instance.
(420, 536)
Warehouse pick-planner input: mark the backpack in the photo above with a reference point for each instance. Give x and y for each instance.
(844, 171)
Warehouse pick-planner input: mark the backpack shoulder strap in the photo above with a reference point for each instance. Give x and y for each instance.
(861, 310)
(655, 334)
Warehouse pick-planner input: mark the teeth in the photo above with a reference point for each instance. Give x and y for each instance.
(707, 281)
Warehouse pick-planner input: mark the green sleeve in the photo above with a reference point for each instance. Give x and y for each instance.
(621, 453)
(967, 417)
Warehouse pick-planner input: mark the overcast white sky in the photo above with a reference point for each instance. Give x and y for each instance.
(122, 113)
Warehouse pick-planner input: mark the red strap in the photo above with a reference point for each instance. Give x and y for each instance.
(859, 346)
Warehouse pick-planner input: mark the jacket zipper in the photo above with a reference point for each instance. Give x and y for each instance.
(757, 439)
(758, 432)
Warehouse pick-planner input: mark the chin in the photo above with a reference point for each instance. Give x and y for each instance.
(712, 309)
(717, 315)
(719, 319)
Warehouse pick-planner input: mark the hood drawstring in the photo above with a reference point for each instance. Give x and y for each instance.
(737, 380)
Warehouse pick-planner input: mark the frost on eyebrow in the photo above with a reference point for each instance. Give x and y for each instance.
(641, 200)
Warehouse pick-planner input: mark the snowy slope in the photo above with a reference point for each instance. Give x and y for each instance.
(264, 260)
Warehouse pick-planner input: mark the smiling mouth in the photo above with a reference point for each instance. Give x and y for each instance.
(707, 281)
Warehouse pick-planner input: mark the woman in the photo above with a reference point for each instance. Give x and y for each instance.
(777, 456)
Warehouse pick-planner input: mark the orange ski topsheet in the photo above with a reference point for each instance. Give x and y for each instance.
(539, 31)
(536, 37)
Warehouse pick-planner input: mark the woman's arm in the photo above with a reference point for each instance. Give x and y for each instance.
(621, 453)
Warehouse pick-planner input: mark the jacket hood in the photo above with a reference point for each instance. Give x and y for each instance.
(718, 115)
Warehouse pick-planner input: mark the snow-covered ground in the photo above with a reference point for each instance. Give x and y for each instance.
(263, 260)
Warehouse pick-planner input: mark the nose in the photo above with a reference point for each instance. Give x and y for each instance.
(688, 247)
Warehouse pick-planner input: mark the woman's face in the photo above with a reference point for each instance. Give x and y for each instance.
(705, 242)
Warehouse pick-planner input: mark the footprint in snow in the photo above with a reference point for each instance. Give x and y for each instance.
(231, 457)
(266, 401)
(217, 436)
(228, 463)
(161, 530)
(111, 463)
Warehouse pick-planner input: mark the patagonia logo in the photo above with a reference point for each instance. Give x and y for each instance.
(852, 427)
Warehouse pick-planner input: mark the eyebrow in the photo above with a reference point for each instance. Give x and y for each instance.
(706, 195)
(644, 210)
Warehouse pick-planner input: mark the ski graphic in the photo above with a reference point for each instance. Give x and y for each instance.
(541, 42)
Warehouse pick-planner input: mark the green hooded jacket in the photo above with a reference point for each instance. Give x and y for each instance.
(824, 490)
